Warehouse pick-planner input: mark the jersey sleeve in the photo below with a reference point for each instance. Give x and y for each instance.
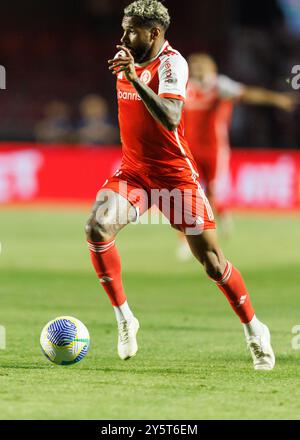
(229, 89)
(173, 75)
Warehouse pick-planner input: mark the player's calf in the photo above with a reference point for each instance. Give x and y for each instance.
(214, 264)
(230, 281)
(205, 248)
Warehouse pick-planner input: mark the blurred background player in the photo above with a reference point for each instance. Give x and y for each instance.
(208, 111)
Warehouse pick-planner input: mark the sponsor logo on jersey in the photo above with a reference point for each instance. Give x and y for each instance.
(168, 74)
(130, 96)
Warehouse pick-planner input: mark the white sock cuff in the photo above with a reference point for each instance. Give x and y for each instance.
(123, 312)
(252, 328)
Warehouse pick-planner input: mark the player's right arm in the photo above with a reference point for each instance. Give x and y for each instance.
(165, 110)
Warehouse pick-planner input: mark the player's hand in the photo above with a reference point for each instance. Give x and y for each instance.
(286, 102)
(123, 64)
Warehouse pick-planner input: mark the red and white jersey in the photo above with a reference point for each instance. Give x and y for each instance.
(208, 113)
(147, 144)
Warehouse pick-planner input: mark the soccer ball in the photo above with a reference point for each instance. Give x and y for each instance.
(65, 340)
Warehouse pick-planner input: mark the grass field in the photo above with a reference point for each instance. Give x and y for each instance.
(192, 362)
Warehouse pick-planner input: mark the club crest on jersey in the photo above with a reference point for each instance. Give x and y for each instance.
(145, 77)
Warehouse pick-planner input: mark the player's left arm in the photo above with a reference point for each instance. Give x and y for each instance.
(229, 89)
(261, 96)
(166, 110)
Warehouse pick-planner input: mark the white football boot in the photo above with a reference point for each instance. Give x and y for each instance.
(127, 343)
(261, 350)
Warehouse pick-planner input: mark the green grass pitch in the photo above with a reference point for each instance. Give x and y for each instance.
(192, 362)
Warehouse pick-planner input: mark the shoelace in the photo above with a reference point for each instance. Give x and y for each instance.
(123, 332)
(257, 350)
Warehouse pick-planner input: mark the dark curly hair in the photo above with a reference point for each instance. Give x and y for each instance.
(149, 12)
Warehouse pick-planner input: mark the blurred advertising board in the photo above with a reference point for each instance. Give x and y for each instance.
(261, 179)
(57, 173)
(258, 179)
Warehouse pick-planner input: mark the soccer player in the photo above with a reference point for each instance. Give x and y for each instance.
(208, 110)
(151, 90)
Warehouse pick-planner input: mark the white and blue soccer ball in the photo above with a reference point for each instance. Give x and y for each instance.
(65, 340)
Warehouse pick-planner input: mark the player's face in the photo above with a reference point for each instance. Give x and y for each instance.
(201, 67)
(137, 39)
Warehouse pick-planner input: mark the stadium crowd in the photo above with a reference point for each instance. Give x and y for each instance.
(57, 76)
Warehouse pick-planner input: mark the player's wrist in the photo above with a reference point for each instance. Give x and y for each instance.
(134, 79)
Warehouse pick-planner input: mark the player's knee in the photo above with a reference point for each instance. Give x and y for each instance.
(88, 229)
(97, 231)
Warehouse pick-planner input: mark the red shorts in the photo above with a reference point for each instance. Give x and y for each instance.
(179, 197)
(207, 168)
(212, 166)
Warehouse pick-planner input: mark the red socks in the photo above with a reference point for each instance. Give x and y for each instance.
(233, 287)
(107, 264)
